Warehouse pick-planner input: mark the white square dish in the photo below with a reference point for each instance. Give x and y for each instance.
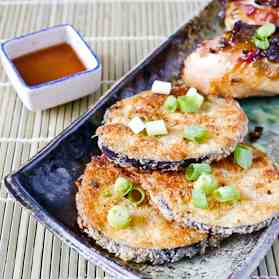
(56, 92)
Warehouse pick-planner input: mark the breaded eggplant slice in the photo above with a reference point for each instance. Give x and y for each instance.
(232, 66)
(149, 237)
(258, 206)
(223, 118)
(255, 12)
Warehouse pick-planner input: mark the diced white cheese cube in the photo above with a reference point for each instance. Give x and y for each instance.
(136, 125)
(156, 128)
(161, 87)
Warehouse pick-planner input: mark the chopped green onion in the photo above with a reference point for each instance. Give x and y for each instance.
(261, 44)
(193, 171)
(161, 87)
(261, 37)
(206, 183)
(199, 199)
(156, 128)
(265, 30)
(191, 102)
(170, 104)
(226, 194)
(136, 196)
(196, 133)
(94, 136)
(122, 186)
(243, 156)
(119, 217)
(107, 194)
(136, 125)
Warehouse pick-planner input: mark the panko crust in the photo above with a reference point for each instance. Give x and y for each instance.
(259, 204)
(224, 119)
(149, 237)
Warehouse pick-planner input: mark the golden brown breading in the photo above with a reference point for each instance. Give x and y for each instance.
(258, 186)
(148, 230)
(224, 119)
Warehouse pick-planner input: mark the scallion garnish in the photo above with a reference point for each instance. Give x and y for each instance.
(170, 104)
(122, 186)
(261, 44)
(243, 156)
(161, 87)
(226, 194)
(265, 30)
(195, 133)
(107, 194)
(262, 35)
(136, 125)
(136, 196)
(193, 171)
(206, 183)
(156, 128)
(199, 198)
(191, 102)
(119, 217)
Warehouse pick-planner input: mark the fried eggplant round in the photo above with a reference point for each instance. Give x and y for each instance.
(148, 238)
(258, 186)
(224, 120)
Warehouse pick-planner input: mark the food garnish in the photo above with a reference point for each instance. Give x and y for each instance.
(136, 196)
(191, 102)
(122, 186)
(243, 156)
(262, 35)
(194, 170)
(226, 194)
(136, 125)
(196, 133)
(161, 87)
(199, 199)
(170, 104)
(119, 217)
(206, 183)
(156, 128)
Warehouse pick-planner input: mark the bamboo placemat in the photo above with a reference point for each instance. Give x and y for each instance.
(121, 32)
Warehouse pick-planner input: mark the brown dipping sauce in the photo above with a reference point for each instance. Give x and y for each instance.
(48, 64)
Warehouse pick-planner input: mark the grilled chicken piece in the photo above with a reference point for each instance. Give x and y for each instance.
(251, 11)
(231, 65)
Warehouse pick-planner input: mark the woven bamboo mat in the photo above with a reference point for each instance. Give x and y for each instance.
(121, 32)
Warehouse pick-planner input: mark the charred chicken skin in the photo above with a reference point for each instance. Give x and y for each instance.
(235, 64)
(256, 12)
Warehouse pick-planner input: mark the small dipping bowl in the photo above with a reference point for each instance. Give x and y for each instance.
(59, 91)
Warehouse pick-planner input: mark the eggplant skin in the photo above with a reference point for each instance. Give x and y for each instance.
(138, 255)
(257, 208)
(145, 164)
(226, 231)
(224, 119)
(221, 232)
(149, 238)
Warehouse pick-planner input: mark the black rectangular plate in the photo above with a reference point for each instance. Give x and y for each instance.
(45, 183)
